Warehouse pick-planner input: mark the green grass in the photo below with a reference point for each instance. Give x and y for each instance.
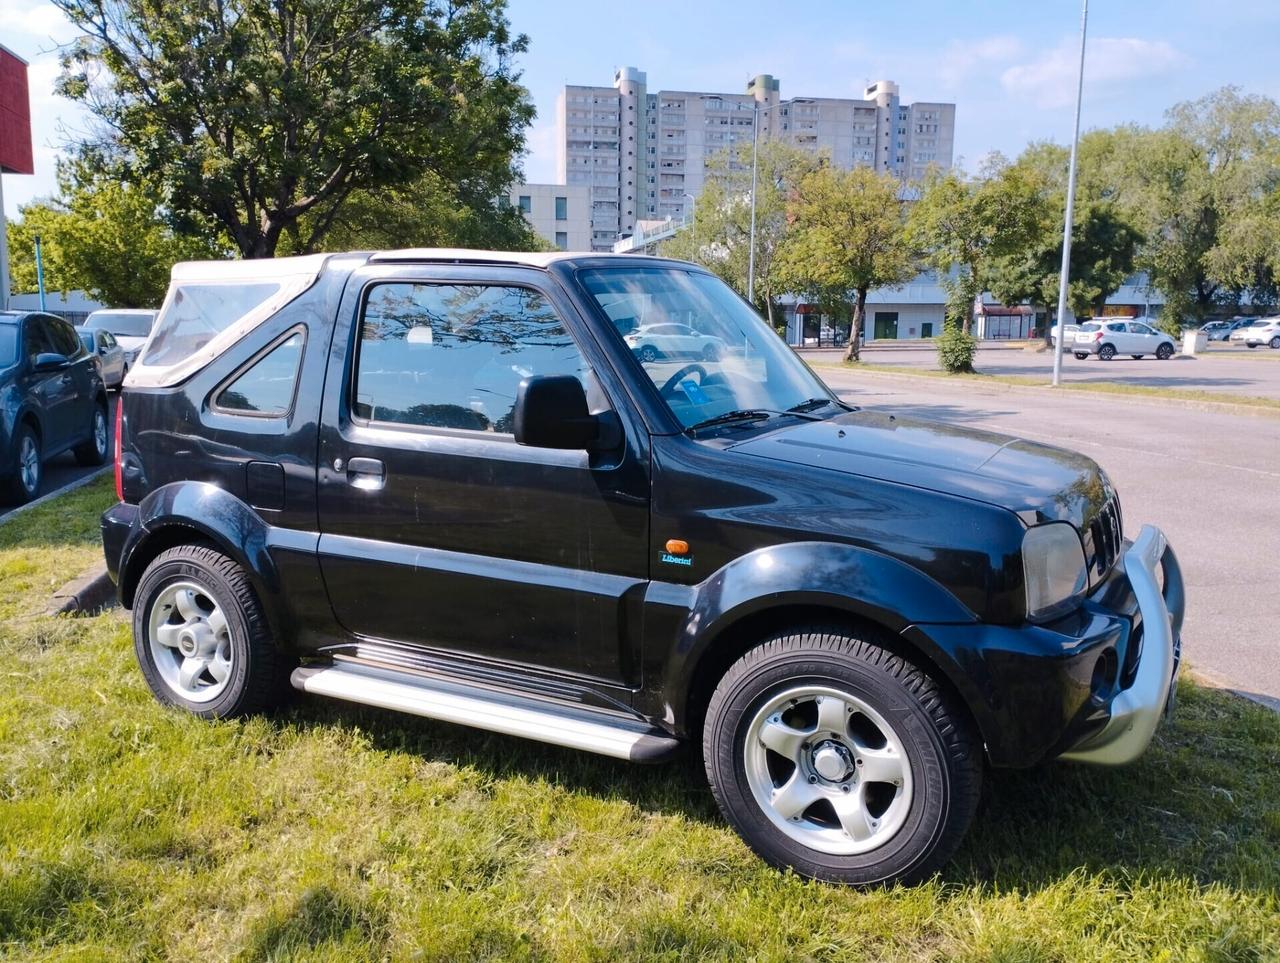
(327, 832)
(1097, 387)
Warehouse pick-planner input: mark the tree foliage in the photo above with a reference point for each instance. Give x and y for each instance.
(267, 116)
(720, 233)
(845, 237)
(105, 238)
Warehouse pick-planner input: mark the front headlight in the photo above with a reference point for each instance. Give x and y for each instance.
(1054, 569)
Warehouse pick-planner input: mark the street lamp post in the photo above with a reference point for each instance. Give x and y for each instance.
(693, 210)
(1064, 276)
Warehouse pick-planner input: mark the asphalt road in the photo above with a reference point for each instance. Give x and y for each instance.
(63, 470)
(1220, 369)
(1210, 480)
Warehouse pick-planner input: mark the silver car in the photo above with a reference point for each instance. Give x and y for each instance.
(1258, 332)
(130, 326)
(669, 341)
(1108, 337)
(109, 353)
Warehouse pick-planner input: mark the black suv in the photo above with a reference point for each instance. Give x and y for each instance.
(51, 399)
(440, 482)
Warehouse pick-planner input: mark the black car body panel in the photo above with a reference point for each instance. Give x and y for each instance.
(463, 555)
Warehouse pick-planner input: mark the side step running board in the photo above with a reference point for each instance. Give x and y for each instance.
(485, 709)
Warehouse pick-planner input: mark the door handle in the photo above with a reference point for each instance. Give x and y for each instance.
(367, 473)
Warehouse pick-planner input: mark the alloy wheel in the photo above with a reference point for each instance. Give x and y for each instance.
(29, 464)
(190, 641)
(828, 770)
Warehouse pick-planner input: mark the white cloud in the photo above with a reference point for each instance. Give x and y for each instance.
(41, 20)
(960, 59)
(1050, 80)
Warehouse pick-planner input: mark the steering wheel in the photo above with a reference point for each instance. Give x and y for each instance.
(676, 378)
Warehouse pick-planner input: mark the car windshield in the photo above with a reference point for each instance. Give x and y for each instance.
(707, 352)
(136, 325)
(8, 344)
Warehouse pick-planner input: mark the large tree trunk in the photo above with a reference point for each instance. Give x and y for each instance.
(853, 350)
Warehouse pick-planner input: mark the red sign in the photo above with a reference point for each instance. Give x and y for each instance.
(15, 116)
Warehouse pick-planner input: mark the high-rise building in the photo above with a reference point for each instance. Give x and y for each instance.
(644, 155)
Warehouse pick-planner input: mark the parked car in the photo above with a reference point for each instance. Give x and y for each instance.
(1107, 338)
(51, 399)
(1258, 332)
(129, 326)
(671, 342)
(110, 355)
(1071, 330)
(1222, 330)
(444, 483)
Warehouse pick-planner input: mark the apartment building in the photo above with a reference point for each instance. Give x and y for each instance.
(644, 156)
(560, 213)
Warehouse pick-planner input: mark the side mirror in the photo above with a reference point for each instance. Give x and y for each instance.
(50, 361)
(551, 412)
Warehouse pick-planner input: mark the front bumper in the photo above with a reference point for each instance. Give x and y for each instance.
(1136, 711)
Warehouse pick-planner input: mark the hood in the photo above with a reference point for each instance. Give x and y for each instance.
(1040, 482)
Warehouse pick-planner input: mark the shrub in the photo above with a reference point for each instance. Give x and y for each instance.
(955, 350)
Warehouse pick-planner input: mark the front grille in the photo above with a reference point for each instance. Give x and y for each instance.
(1103, 541)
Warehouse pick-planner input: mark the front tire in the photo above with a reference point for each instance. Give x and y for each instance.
(28, 465)
(1164, 352)
(94, 451)
(202, 638)
(836, 758)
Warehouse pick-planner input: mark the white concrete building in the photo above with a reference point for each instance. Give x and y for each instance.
(644, 156)
(560, 213)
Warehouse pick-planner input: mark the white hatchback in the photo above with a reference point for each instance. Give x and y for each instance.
(1107, 339)
(1258, 332)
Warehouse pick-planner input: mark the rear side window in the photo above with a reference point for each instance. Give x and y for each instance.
(266, 388)
(63, 338)
(452, 356)
(197, 313)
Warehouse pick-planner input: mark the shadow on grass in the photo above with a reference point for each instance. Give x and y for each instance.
(1203, 804)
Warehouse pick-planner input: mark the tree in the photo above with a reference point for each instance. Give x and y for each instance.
(961, 226)
(846, 236)
(719, 235)
(104, 238)
(1104, 241)
(266, 116)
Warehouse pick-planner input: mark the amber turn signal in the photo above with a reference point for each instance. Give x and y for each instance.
(677, 547)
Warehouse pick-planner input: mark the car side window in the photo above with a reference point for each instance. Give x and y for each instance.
(453, 355)
(64, 338)
(267, 386)
(107, 339)
(36, 340)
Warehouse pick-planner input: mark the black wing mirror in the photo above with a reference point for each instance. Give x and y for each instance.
(50, 361)
(551, 412)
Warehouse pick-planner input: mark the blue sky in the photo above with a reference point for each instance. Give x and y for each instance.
(1009, 66)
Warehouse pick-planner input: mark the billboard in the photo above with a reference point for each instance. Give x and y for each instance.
(15, 115)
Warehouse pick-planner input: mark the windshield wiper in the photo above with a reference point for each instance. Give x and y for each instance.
(813, 403)
(749, 414)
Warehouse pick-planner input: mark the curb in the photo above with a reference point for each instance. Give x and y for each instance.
(89, 593)
(1151, 401)
(1211, 680)
(49, 496)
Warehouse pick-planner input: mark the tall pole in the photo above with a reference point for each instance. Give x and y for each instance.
(39, 273)
(4, 252)
(1064, 278)
(751, 240)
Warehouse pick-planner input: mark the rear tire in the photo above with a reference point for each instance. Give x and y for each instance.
(202, 637)
(1164, 352)
(94, 451)
(1081, 355)
(1106, 352)
(812, 789)
(27, 467)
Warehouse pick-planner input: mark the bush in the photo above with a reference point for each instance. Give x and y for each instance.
(955, 350)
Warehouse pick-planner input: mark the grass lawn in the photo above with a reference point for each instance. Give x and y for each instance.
(1097, 387)
(129, 831)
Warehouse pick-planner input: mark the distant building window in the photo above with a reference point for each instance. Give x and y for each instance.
(562, 208)
(526, 203)
(562, 240)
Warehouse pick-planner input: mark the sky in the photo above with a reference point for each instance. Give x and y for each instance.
(1008, 66)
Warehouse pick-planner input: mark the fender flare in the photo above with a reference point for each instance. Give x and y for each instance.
(213, 514)
(854, 581)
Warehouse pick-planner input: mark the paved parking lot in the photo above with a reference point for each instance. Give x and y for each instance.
(1210, 480)
(1220, 369)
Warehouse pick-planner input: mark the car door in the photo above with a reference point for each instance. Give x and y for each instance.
(53, 391)
(438, 531)
(85, 376)
(1145, 338)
